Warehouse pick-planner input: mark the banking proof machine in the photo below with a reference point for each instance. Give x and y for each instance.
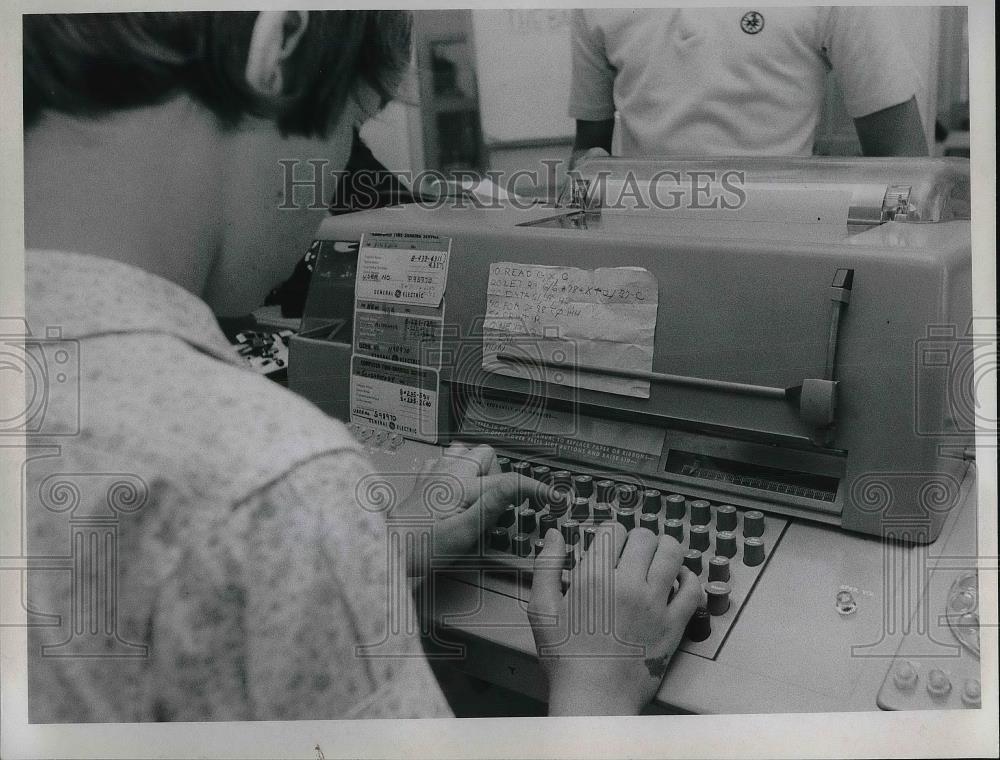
(770, 360)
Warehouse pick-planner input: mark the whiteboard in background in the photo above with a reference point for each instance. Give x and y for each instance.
(523, 73)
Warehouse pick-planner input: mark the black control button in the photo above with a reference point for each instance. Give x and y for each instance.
(605, 491)
(521, 468)
(540, 472)
(701, 512)
(676, 506)
(699, 627)
(537, 545)
(753, 551)
(651, 501)
(504, 463)
(725, 517)
(581, 508)
(589, 534)
(526, 520)
(558, 504)
(520, 544)
(570, 560)
(546, 523)
(725, 543)
(753, 524)
(507, 517)
(650, 522)
(674, 528)
(627, 518)
(699, 537)
(499, 539)
(561, 479)
(602, 513)
(718, 597)
(583, 485)
(692, 561)
(571, 532)
(628, 496)
(718, 569)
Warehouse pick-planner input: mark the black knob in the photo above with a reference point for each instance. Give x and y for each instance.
(692, 561)
(627, 518)
(674, 528)
(581, 508)
(583, 485)
(537, 545)
(753, 524)
(602, 513)
(701, 512)
(561, 479)
(526, 520)
(699, 537)
(541, 472)
(520, 544)
(558, 504)
(725, 543)
(589, 534)
(676, 507)
(718, 597)
(650, 522)
(507, 517)
(571, 532)
(546, 523)
(699, 627)
(605, 491)
(521, 468)
(725, 517)
(718, 569)
(753, 551)
(504, 463)
(499, 539)
(651, 499)
(570, 561)
(628, 496)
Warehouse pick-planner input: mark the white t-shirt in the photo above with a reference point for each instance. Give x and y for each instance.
(728, 81)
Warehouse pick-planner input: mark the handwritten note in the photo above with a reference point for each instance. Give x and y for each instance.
(580, 317)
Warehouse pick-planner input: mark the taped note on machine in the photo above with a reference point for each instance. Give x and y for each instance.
(549, 315)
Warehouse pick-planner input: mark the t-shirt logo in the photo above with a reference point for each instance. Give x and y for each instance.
(752, 22)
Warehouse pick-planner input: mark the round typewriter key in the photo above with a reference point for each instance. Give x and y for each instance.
(692, 561)
(699, 537)
(938, 683)
(674, 528)
(581, 508)
(627, 518)
(725, 517)
(628, 496)
(541, 472)
(538, 544)
(520, 544)
(699, 627)
(718, 597)
(718, 569)
(725, 543)
(651, 501)
(650, 522)
(570, 561)
(753, 551)
(753, 524)
(507, 517)
(589, 533)
(571, 532)
(499, 539)
(558, 504)
(561, 479)
(701, 512)
(676, 507)
(546, 523)
(504, 463)
(602, 513)
(605, 491)
(526, 520)
(583, 485)
(521, 468)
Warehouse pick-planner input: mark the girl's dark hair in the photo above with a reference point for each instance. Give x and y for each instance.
(90, 64)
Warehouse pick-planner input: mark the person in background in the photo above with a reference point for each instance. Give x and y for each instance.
(738, 82)
(249, 567)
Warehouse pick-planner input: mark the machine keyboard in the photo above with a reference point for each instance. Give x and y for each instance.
(727, 547)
